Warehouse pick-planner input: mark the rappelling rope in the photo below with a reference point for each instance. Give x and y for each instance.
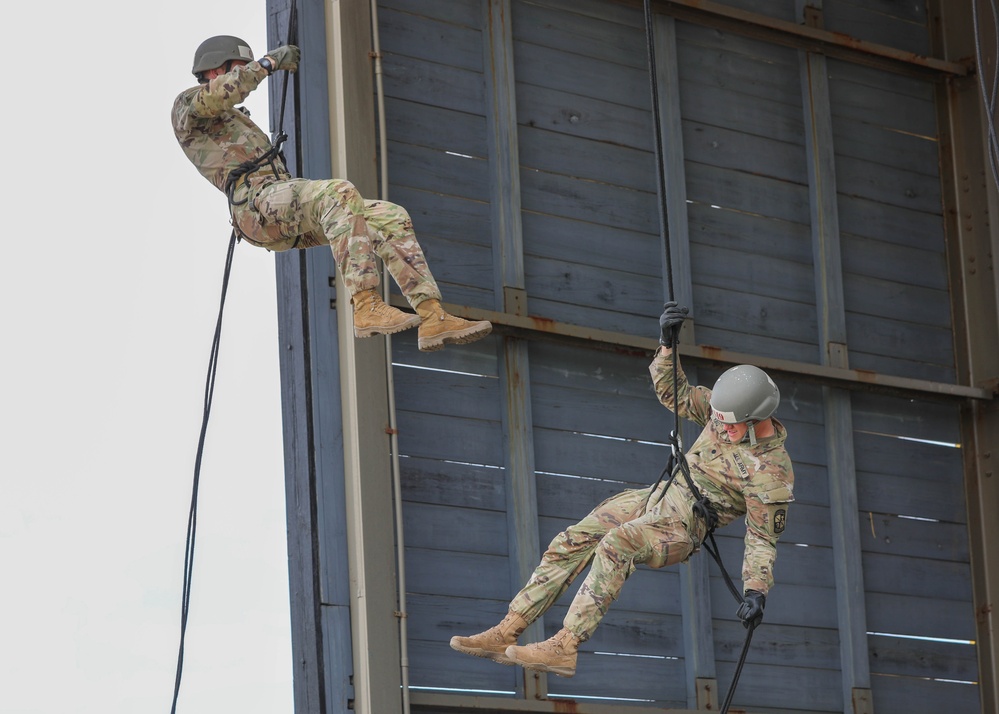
(677, 462)
(192, 518)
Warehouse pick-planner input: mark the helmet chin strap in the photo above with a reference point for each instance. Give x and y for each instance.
(752, 432)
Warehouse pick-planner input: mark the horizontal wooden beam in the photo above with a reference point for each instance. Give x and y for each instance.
(804, 37)
(831, 376)
(441, 701)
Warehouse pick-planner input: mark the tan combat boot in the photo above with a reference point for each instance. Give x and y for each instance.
(556, 655)
(373, 317)
(439, 328)
(492, 643)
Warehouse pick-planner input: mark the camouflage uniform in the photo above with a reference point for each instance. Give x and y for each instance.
(738, 479)
(274, 211)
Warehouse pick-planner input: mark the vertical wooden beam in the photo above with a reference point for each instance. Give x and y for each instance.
(830, 306)
(510, 296)
(674, 172)
(310, 393)
(695, 599)
(504, 157)
(363, 364)
(970, 197)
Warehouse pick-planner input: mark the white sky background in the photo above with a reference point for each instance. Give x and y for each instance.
(113, 253)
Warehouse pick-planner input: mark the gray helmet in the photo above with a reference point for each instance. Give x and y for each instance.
(216, 51)
(744, 393)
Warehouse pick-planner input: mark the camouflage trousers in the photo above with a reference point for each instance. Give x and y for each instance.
(301, 213)
(616, 536)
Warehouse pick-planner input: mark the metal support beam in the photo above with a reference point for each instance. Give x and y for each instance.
(439, 703)
(363, 364)
(542, 327)
(970, 197)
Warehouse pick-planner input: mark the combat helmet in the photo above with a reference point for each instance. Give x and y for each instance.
(744, 394)
(216, 51)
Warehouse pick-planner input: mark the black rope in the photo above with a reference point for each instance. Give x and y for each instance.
(242, 171)
(246, 168)
(660, 170)
(988, 97)
(192, 518)
(677, 462)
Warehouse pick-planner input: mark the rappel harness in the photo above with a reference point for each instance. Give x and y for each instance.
(677, 462)
(240, 172)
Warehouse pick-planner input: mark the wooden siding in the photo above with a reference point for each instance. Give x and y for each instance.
(592, 257)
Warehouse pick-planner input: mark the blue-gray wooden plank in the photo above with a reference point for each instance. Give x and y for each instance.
(593, 159)
(783, 689)
(902, 25)
(415, 35)
(446, 528)
(919, 462)
(744, 322)
(442, 129)
(907, 417)
(901, 614)
(893, 96)
(873, 258)
(431, 83)
(794, 565)
(712, 227)
(862, 138)
(737, 66)
(923, 658)
(445, 483)
(589, 28)
(871, 178)
(456, 12)
(918, 576)
(422, 435)
(905, 536)
(598, 412)
(478, 358)
(450, 393)
(905, 695)
(458, 574)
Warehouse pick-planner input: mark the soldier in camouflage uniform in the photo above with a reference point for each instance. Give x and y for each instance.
(272, 210)
(738, 463)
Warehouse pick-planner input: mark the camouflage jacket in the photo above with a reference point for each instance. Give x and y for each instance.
(738, 479)
(215, 133)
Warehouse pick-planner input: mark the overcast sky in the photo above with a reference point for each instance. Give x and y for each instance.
(114, 250)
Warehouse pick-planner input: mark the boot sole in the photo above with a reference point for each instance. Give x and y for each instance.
(455, 337)
(413, 321)
(559, 671)
(498, 657)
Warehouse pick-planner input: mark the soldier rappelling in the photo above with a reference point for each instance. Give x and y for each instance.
(272, 210)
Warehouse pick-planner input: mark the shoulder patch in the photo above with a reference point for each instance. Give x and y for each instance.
(780, 520)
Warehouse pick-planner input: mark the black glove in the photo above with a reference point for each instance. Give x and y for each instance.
(751, 609)
(285, 57)
(670, 322)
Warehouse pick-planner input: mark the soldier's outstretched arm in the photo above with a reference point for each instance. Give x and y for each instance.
(227, 91)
